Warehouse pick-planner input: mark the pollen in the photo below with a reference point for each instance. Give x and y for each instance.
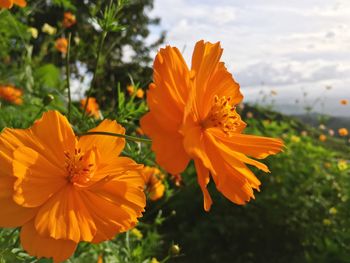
(80, 166)
(223, 115)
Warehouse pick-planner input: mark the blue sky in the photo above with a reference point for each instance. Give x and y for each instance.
(292, 47)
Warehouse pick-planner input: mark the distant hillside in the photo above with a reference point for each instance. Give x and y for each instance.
(330, 122)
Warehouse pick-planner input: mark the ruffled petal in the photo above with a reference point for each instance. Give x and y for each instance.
(40, 246)
(232, 178)
(109, 146)
(37, 179)
(115, 206)
(66, 216)
(168, 146)
(11, 214)
(211, 78)
(254, 146)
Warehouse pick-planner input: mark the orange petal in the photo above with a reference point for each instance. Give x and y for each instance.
(6, 3)
(114, 208)
(47, 247)
(109, 146)
(254, 146)
(11, 214)
(171, 77)
(194, 145)
(21, 3)
(211, 77)
(168, 146)
(230, 179)
(66, 216)
(203, 180)
(37, 178)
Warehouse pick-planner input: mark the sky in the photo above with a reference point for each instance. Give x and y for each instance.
(298, 48)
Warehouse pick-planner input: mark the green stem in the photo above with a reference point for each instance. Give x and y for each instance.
(67, 77)
(127, 137)
(102, 39)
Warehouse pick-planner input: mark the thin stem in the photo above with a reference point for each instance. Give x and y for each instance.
(102, 39)
(68, 77)
(127, 137)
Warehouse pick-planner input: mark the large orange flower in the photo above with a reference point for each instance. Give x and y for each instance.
(10, 3)
(11, 94)
(193, 116)
(62, 189)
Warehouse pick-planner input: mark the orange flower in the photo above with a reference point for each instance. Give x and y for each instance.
(140, 93)
(11, 94)
(130, 89)
(10, 3)
(344, 102)
(153, 179)
(68, 19)
(61, 45)
(343, 132)
(63, 190)
(193, 116)
(92, 108)
(322, 138)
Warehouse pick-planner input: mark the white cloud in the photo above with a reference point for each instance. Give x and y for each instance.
(275, 42)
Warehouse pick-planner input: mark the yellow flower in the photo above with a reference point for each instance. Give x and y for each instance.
(34, 32)
(295, 139)
(153, 180)
(46, 28)
(137, 233)
(343, 132)
(323, 138)
(154, 260)
(61, 45)
(342, 165)
(62, 190)
(333, 211)
(193, 117)
(327, 222)
(10, 3)
(11, 94)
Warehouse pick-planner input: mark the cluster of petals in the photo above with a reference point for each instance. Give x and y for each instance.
(343, 132)
(11, 94)
(10, 3)
(193, 116)
(153, 181)
(93, 109)
(61, 44)
(68, 19)
(62, 189)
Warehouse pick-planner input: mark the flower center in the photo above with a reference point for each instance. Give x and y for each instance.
(81, 166)
(223, 115)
